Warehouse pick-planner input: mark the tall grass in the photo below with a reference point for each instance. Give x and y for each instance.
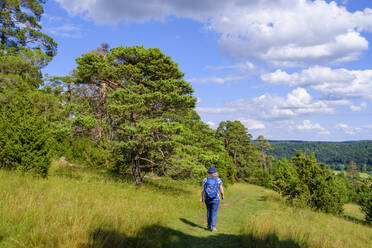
(69, 210)
(282, 226)
(80, 207)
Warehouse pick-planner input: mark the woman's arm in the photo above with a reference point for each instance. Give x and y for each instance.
(202, 194)
(222, 192)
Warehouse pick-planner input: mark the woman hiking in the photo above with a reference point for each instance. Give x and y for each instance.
(212, 188)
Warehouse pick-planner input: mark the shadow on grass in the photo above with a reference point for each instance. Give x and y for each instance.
(94, 174)
(159, 236)
(192, 224)
(355, 220)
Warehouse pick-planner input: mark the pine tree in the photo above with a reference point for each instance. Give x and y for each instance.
(20, 28)
(238, 144)
(146, 94)
(352, 175)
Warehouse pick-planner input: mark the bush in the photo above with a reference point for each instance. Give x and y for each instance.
(306, 183)
(259, 177)
(25, 138)
(84, 151)
(365, 200)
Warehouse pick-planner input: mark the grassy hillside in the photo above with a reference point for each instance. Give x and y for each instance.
(77, 207)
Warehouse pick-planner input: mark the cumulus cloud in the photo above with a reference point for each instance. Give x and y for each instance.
(280, 32)
(252, 124)
(217, 80)
(347, 129)
(334, 83)
(271, 107)
(361, 107)
(308, 126)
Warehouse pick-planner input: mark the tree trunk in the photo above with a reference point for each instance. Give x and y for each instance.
(136, 170)
(3, 30)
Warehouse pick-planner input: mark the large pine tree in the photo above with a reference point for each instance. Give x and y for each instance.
(146, 94)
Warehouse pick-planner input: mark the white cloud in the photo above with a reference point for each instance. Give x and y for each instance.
(361, 107)
(280, 32)
(347, 129)
(272, 107)
(222, 110)
(308, 126)
(243, 67)
(211, 123)
(59, 26)
(217, 80)
(334, 83)
(66, 30)
(292, 32)
(252, 124)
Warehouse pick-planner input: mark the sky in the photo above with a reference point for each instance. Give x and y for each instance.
(287, 69)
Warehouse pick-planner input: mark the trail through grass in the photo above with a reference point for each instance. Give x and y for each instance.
(83, 208)
(241, 202)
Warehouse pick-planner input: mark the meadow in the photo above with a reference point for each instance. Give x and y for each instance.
(80, 207)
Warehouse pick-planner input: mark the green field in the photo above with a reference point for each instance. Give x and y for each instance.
(361, 174)
(77, 207)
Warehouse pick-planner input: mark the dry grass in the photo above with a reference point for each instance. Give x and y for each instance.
(282, 226)
(66, 212)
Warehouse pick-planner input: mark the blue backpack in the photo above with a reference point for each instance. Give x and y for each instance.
(211, 188)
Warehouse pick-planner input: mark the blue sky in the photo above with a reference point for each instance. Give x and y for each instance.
(287, 69)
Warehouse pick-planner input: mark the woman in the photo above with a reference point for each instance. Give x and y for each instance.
(211, 191)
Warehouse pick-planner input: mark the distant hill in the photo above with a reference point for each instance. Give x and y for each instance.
(335, 154)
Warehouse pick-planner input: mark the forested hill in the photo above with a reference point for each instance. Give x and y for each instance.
(336, 154)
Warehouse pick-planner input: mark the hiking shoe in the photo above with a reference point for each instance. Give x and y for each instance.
(209, 228)
(214, 229)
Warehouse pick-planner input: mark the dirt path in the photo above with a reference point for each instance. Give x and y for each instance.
(242, 202)
(203, 218)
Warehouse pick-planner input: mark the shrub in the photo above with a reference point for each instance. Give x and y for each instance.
(259, 177)
(304, 182)
(365, 200)
(84, 151)
(25, 138)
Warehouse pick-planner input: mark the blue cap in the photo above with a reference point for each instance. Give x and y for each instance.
(212, 169)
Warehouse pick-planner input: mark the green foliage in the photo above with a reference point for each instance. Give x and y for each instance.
(84, 152)
(347, 193)
(25, 138)
(197, 149)
(20, 28)
(238, 144)
(365, 199)
(265, 160)
(352, 175)
(140, 95)
(260, 177)
(304, 182)
(335, 154)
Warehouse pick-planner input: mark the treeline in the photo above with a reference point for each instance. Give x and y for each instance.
(337, 155)
(128, 110)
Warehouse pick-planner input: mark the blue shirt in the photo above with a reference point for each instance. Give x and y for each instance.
(219, 183)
